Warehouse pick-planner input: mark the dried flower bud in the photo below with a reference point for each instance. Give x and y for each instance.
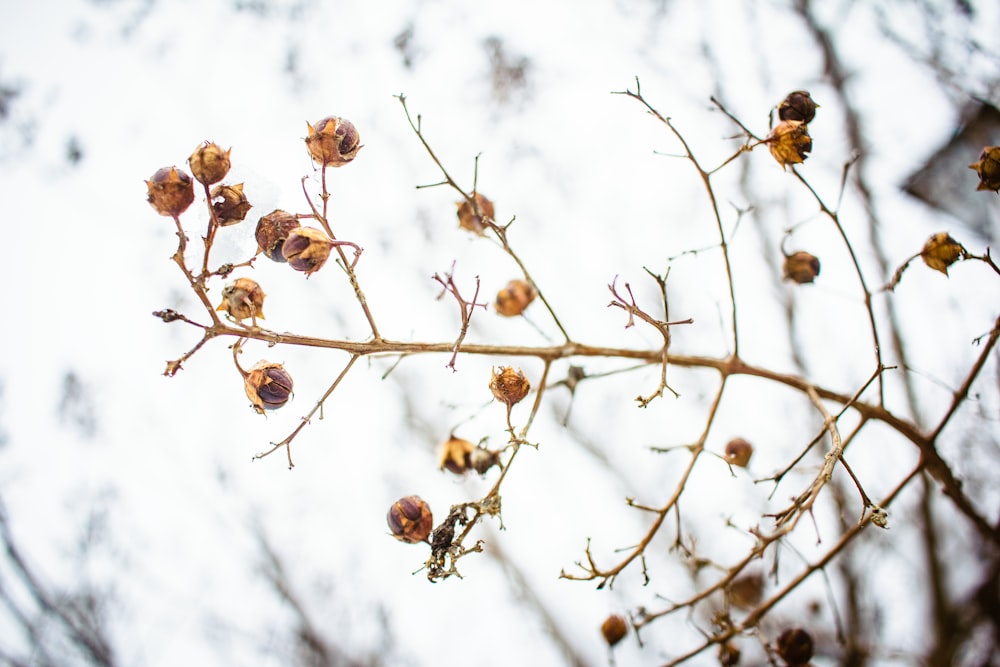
(209, 163)
(230, 204)
(801, 267)
(410, 519)
(790, 142)
(614, 628)
(472, 219)
(170, 191)
(941, 251)
(738, 452)
(272, 230)
(268, 386)
(746, 591)
(333, 142)
(509, 385)
(515, 297)
(988, 169)
(795, 647)
(243, 298)
(798, 106)
(729, 654)
(455, 455)
(306, 249)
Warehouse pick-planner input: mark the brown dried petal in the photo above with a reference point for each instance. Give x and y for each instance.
(790, 142)
(170, 191)
(941, 251)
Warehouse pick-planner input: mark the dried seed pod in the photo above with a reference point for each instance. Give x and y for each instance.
(471, 217)
(230, 204)
(482, 459)
(941, 251)
(798, 106)
(170, 191)
(410, 519)
(746, 591)
(738, 452)
(333, 141)
(243, 298)
(306, 249)
(272, 230)
(795, 647)
(268, 386)
(729, 654)
(614, 628)
(789, 142)
(455, 455)
(509, 385)
(209, 163)
(515, 297)
(801, 267)
(988, 169)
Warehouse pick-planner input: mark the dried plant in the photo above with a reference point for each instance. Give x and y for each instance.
(735, 599)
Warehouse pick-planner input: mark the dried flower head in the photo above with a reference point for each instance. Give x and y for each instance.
(230, 204)
(209, 163)
(170, 191)
(790, 142)
(471, 216)
(729, 654)
(455, 453)
(738, 452)
(798, 106)
(988, 169)
(801, 267)
(243, 298)
(410, 519)
(515, 297)
(268, 386)
(306, 249)
(333, 141)
(509, 385)
(941, 251)
(614, 628)
(272, 230)
(795, 647)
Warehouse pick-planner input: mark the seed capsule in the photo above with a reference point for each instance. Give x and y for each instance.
(268, 386)
(941, 251)
(455, 455)
(230, 204)
(795, 647)
(988, 169)
(272, 231)
(614, 628)
(472, 219)
(333, 142)
(789, 142)
(798, 106)
(243, 298)
(410, 519)
(801, 267)
(514, 298)
(209, 163)
(738, 452)
(306, 249)
(170, 191)
(509, 385)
